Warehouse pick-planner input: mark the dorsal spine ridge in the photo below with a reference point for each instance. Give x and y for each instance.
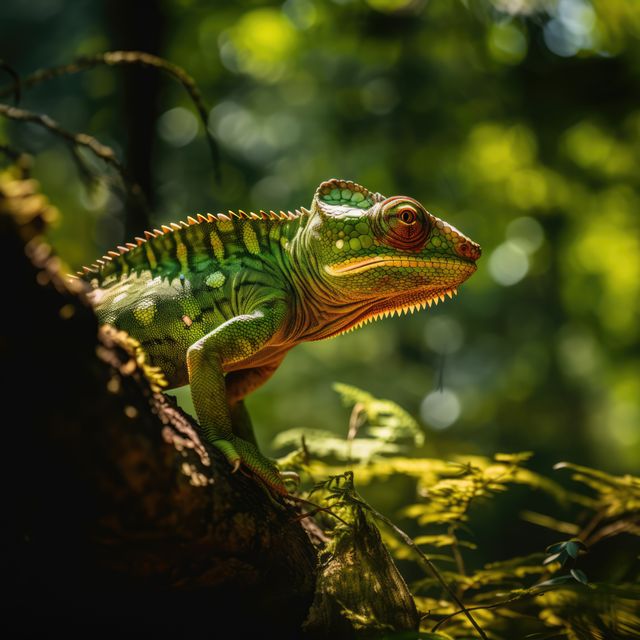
(262, 215)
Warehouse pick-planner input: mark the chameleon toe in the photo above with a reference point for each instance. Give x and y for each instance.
(261, 466)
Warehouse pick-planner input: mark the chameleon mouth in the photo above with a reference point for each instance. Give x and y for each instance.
(404, 305)
(358, 265)
(401, 305)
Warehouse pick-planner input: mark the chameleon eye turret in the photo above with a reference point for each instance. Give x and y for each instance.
(405, 225)
(216, 301)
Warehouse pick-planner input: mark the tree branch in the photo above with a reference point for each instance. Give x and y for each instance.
(115, 58)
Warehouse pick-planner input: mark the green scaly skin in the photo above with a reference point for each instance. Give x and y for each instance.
(217, 302)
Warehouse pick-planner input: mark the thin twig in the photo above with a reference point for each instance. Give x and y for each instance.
(495, 605)
(316, 509)
(592, 525)
(612, 529)
(433, 569)
(455, 548)
(84, 140)
(19, 159)
(81, 139)
(114, 58)
(85, 172)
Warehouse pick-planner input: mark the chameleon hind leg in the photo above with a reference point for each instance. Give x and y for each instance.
(241, 423)
(239, 384)
(233, 341)
(243, 428)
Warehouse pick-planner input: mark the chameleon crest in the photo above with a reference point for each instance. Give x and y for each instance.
(217, 301)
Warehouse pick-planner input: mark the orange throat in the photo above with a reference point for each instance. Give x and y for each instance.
(404, 303)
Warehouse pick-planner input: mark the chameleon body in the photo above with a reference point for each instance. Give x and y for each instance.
(216, 302)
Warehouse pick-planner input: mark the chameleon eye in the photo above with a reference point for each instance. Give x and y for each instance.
(407, 216)
(407, 224)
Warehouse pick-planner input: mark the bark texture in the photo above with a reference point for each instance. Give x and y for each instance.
(118, 516)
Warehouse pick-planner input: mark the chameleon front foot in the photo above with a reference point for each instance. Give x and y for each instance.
(241, 453)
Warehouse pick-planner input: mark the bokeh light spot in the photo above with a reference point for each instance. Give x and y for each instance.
(270, 191)
(508, 264)
(525, 233)
(302, 13)
(177, 127)
(260, 44)
(393, 6)
(571, 30)
(507, 43)
(440, 409)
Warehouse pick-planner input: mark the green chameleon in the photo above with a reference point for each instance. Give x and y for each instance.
(216, 302)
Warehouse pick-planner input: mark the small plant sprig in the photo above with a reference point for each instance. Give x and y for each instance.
(565, 553)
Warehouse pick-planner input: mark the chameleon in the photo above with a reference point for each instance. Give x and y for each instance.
(217, 301)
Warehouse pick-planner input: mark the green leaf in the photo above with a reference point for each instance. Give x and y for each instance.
(559, 557)
(572, 548)
(555, 548)
(552, 582)
(579, 576)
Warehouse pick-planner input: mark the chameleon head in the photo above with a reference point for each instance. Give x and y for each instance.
(387, 249)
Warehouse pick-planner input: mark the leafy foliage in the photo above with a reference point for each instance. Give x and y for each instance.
(376, 427)
(544, 594)
(614, 496)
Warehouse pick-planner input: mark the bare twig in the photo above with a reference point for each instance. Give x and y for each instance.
(83, 140)
(455, 548)
(612, 529)
(494, 605)
(316, 509)
(86, 175)
(434, 570)
(592, 525)
(114, 58)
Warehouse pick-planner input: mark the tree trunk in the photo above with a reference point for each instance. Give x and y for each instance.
(119, 517)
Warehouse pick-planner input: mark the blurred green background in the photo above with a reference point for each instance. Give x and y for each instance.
(518, 121)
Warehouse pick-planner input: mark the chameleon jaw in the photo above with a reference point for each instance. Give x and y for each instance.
(359, 265)
(388, 309)
(408, 307)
